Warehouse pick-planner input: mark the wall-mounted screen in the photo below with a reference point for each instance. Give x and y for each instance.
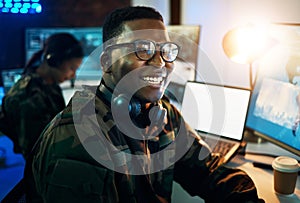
(274, 112)
(90, 38)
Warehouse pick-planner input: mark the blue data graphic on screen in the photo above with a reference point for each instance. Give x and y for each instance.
(274, 110)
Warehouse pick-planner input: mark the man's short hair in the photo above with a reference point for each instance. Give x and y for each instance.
(114, 22)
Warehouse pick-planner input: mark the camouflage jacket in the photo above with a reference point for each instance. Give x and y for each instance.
(29, 106)
(84, 157)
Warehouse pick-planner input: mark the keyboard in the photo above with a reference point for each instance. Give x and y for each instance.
(219, 146)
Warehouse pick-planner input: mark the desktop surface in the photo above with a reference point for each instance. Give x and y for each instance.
(262, 178)
(265, 153)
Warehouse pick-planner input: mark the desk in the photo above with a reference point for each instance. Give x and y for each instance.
(263, 178)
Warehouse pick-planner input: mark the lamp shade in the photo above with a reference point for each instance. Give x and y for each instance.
(244, 44)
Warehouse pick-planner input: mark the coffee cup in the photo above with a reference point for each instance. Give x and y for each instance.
(285, 174)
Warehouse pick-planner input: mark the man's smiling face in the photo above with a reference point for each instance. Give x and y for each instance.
(149, 77)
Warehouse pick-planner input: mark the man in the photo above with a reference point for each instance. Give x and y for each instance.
(123, 141)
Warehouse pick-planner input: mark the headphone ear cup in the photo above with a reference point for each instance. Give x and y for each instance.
(122, 102)
(51, 61)
(134, 107)
(105, 62)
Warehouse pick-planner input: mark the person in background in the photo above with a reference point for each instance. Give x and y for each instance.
(122, 141)
(37, 97)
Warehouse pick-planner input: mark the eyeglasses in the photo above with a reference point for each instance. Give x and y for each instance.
(146, 49)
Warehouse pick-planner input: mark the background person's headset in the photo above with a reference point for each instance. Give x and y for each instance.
(54, 59)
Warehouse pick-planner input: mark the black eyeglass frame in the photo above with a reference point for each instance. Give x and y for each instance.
(134, 43)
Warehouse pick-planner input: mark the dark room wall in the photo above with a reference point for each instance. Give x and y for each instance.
(66, 13)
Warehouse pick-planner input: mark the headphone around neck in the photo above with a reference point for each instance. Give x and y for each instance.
(121, 100)
(155, 114)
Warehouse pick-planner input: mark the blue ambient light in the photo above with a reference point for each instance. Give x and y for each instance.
(20, 6)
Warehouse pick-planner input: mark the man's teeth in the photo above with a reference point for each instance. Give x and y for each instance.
(153, 80)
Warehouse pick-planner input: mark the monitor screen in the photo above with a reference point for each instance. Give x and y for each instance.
(90, 38)
(1, 94)
(274, 111)
(216, 109)
(10, 77)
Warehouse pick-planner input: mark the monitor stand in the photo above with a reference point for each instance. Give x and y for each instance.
(250, 136)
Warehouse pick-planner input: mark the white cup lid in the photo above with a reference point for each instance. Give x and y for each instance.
(285, 164)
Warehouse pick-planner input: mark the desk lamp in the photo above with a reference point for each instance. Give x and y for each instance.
(243, 45)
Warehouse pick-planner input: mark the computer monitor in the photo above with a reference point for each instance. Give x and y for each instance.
(10, 77)
(1, 94)
(274, 112)
(90, 38)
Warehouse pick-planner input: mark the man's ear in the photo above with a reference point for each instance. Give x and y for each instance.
(105, 62)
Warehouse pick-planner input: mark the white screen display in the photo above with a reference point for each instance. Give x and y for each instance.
(216, 109)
